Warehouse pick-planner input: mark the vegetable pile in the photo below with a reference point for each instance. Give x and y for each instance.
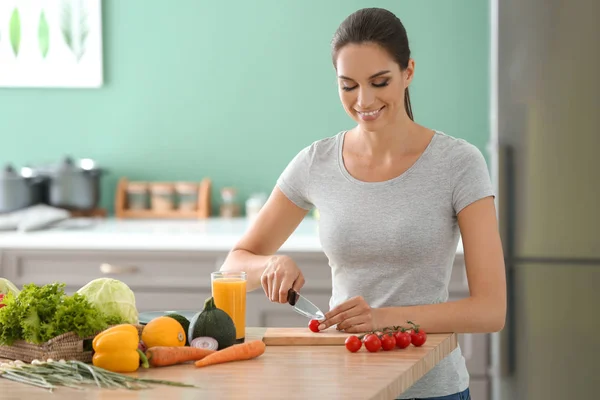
(388, 339)
(37, 314)
(40, 313)
(208, 339)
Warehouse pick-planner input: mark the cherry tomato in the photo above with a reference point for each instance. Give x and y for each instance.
(418, 337)
(372, 342)
(1, 298)
(403, 339)
(388, 342)
(313, 325)
(353, 343)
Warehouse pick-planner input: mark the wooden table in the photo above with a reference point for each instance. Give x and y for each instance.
(282, 372)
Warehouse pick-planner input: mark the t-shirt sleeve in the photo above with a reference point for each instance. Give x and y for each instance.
(294, 181)
(472, 180)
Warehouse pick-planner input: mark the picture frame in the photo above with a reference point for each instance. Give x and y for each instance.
(51, 43)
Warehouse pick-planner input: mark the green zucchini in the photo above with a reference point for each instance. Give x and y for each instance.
(213, 322)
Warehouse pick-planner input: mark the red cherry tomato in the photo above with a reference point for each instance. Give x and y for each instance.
(353, 343)
(372, 342)
(388, 342)
(403, 339)
(418, 337)
(313, 325)
(1, 298)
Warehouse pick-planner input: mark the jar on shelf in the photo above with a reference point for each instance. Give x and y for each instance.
(254, 203)
(229, 207)
(187, 194)
(137, 195)
(162, 197)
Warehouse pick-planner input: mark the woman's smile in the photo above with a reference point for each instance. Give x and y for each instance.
(370, 115)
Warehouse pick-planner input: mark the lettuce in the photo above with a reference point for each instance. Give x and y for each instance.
(113, 298)
(39, 314)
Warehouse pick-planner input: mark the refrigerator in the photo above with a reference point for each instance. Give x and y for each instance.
(547, 141)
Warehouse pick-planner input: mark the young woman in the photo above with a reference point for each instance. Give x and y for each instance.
(393, 198)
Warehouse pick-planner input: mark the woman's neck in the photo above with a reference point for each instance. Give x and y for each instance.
(394, 139)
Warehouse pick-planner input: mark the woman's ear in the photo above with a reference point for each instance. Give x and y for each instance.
(409, 72)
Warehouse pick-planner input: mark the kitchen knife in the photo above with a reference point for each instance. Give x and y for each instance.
(303, 306)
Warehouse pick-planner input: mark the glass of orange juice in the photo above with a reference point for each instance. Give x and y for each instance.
(229, 293)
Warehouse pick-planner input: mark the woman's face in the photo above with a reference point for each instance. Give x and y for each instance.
(371, 85)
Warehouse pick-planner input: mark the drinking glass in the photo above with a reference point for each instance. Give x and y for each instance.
(229, 294)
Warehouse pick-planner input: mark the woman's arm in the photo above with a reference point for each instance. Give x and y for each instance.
(275, 222)
(483, 311)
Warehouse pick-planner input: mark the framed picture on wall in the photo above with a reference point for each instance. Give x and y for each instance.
(51, 43)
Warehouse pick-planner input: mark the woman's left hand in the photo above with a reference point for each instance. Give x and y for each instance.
(352, 316)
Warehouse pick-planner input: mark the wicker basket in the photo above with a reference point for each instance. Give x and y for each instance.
(68, 346)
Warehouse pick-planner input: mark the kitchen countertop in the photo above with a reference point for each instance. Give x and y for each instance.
(212, 234)
(282, 372)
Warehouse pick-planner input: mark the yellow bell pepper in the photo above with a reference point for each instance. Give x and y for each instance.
(116, 349)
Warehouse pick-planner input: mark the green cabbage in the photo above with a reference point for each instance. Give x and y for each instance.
(7, 287)
(112, 297)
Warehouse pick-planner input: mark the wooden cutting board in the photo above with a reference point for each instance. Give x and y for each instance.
(303, 337)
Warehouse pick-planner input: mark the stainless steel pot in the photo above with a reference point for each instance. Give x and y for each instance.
(18, 191)
(74, 186)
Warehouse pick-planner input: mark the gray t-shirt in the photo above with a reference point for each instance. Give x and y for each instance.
(393, 242)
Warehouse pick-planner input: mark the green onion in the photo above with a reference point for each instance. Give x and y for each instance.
(75, 374)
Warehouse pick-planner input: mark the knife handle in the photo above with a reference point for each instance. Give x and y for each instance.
(292, 297)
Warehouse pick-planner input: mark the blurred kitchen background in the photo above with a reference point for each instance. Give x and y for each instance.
(153, 174)
(232, 90)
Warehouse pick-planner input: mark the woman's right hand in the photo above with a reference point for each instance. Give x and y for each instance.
(281, 273)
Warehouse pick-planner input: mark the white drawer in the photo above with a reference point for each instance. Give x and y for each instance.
(164, 300)
(139, 270)
(314, 266)
(153, 301)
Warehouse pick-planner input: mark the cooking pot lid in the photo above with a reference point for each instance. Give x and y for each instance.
(8, 172)
(68, 165)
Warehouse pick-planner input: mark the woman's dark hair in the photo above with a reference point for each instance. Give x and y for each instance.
(375, 25)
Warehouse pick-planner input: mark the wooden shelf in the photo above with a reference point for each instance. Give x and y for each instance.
(97, 212)
(202, 210)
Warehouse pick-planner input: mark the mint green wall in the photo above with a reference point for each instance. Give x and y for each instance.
(232, 90)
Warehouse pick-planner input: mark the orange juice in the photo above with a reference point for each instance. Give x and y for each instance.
(229, 293)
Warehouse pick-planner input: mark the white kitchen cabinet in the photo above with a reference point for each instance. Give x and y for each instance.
(2, 266)
(181, 280)
(162, 271)
(161, 280)
(165, 301)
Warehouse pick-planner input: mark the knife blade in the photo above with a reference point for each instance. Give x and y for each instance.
(303, 306)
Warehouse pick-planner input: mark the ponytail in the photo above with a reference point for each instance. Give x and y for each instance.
(407, 105)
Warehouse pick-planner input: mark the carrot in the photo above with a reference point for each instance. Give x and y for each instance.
(237, 352)
(161, 356)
